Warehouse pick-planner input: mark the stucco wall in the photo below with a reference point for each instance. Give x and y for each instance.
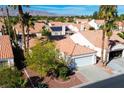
(81, 40)
(9, 60)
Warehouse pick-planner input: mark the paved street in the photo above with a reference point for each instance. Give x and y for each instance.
(114, 82)
(117, 65)
(93, 73)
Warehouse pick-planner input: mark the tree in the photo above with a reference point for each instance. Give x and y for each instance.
(42, 58)
(108, 13)
(121, 34)
(95, 15)
(29, 21)
(11, 78)
(21, 14)
(14, 21)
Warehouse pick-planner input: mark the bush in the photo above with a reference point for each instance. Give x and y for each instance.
(11, 78)
(42, 58)
(41, 85)
(63, 72)
(46, 33)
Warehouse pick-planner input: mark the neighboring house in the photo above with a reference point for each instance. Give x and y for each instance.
(93, 40)
(74, 27)
(36, 30)
(6, 53)
(100, 22)
(96, 23)
(74, 53)
(58, 30)
(86, 24)
(120, 25)
(50, 24)
(33, 42)
(93, 24)
(81, 21)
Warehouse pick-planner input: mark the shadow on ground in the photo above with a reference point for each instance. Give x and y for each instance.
(37, 82)
(114, 82)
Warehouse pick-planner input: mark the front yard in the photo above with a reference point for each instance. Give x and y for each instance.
(74, 80)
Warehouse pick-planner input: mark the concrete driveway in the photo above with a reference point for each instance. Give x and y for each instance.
(94, 73)
(117, 65)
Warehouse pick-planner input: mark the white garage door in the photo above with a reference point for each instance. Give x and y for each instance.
(83, 61)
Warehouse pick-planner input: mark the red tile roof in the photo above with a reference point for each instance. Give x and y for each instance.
(5, 47)
(119, 23)
(37, 28)
(100, 22)
(33, 42)
(67, 46)
(95, 37)
(56, 23)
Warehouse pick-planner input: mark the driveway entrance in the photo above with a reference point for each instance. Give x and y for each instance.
(93, 73)
(117, 65)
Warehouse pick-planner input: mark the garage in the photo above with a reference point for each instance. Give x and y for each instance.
(85, 60)
(115, 54)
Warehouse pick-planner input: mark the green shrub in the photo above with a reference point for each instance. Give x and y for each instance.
(63, 72)
(46, 33)
(11, 78)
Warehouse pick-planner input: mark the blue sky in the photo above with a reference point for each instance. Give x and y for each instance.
(71, 9)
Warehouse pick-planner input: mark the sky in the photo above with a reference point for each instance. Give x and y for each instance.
(71, 9)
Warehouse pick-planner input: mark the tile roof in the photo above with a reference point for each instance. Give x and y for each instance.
(95, 37)
(67, 46)
(119, 23)
(82, 20)
(5, 47)
(33, 42)
(100, 22)
(37, 28)
(56, 23)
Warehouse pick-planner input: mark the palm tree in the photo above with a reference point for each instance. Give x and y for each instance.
(29, 21)
(21, 14)
(108, 13)
(14, 21)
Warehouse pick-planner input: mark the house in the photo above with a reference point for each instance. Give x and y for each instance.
(6, 53)
(96, 23)
(81, 21)
(36, 30)
(58, 30)
(55, 24)
(120, 25)
(74, 27)
(99, 21)
(33, 42)
(93, 40)
(74, 53)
